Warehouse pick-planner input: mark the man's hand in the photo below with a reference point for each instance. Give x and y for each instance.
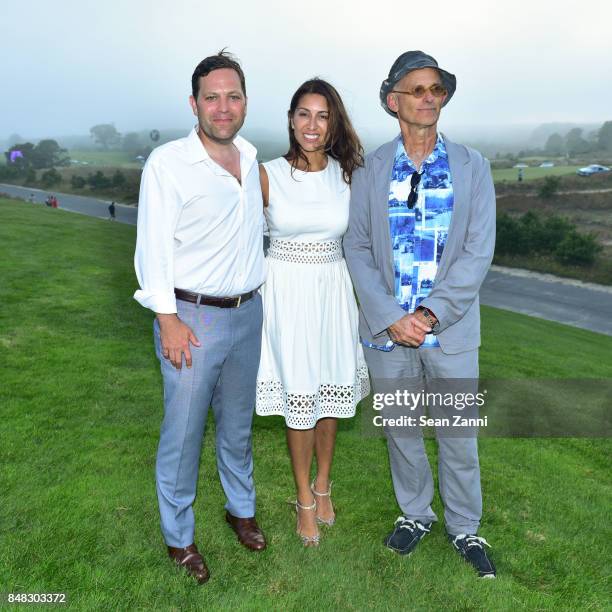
(410, 330)
(175, 339)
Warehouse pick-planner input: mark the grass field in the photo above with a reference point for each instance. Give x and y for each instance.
(108, 159)
(81, 408)
(529, 174)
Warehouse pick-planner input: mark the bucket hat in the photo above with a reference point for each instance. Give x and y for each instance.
(407, 62)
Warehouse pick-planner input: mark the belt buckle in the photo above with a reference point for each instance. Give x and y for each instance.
(239, 300)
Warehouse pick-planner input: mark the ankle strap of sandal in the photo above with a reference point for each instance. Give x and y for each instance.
(321, 494)
(313, 506)
(296, 504)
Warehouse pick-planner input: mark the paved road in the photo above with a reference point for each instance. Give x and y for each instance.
(79, 204)
(540, 295)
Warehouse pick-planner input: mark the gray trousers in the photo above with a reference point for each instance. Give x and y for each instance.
(458, 466)
(223, 375)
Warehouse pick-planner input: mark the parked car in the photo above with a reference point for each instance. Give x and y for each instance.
(547, 164)
(521, 165)
(592, 169)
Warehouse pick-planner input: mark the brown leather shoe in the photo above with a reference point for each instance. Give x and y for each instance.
(192, 561)
(248, 531)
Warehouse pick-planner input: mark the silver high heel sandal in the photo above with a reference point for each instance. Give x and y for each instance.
(306, 540)
(320, 521)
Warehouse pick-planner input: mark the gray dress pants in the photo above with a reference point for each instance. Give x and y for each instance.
(458, 466)
(223, 375)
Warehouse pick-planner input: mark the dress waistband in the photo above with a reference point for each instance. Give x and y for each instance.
(326, 251)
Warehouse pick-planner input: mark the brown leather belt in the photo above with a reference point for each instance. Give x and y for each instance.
(208, 300)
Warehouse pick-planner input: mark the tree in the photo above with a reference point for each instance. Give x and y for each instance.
(552, 233)
(8, 172)
(50, 178)
(508, 235)
(592, 138)
(549, 187)
(77, 182)
(20, 156)
(554, 145)
(48, 154)
(578, 249)
(575, 143)
(530, 228)
(98, 180)
(604, 137)
(118, 179)
(131, 142)
(30, 176)
(105, 134)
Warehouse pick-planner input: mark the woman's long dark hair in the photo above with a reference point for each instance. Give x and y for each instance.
(342, 141)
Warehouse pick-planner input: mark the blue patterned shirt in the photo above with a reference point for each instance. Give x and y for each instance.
(418, 235)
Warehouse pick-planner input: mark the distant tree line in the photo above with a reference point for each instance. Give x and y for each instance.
(23, 159)
(108, 138)
(574, 143)
(530, 235)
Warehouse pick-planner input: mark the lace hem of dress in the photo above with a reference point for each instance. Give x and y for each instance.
(303, 410)
(326, 251)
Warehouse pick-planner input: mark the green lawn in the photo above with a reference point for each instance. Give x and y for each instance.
(511, 174)
(81, 408)
(109, 159)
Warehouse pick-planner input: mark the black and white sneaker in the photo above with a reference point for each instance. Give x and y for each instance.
(406, 535)
(471, 548)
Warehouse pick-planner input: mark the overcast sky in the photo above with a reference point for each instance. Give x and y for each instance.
(67, 66)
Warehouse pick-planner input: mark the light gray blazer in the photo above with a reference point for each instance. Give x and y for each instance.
(465, 260)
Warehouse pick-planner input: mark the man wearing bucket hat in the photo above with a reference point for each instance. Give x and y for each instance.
(420, 241)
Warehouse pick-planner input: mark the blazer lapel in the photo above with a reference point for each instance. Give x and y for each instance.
(383, 167)
(461, 172)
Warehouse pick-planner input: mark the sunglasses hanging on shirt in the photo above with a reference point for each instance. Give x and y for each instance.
(415, 179)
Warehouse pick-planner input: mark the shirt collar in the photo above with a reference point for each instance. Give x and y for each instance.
(439, 150)
(197, 152)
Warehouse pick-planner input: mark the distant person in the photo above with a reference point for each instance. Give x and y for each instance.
(49, 201)
(520, 175)
(31, 198)
(426, 327)
(54, 203)
(312, 369)
(111, 211)
(199, 262)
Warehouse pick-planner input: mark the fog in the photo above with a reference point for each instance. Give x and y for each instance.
(68, 66)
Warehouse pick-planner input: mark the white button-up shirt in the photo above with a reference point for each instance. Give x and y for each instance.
(199, 229)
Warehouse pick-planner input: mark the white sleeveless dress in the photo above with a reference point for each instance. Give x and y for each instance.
(312, 363)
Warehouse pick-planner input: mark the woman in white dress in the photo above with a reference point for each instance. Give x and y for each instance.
(312, 369)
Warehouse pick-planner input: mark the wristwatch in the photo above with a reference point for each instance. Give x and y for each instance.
(429, 317)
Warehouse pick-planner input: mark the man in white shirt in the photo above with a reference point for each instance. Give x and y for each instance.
(199, 263)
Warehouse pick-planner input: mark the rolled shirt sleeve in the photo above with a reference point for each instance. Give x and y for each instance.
(159, 206)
